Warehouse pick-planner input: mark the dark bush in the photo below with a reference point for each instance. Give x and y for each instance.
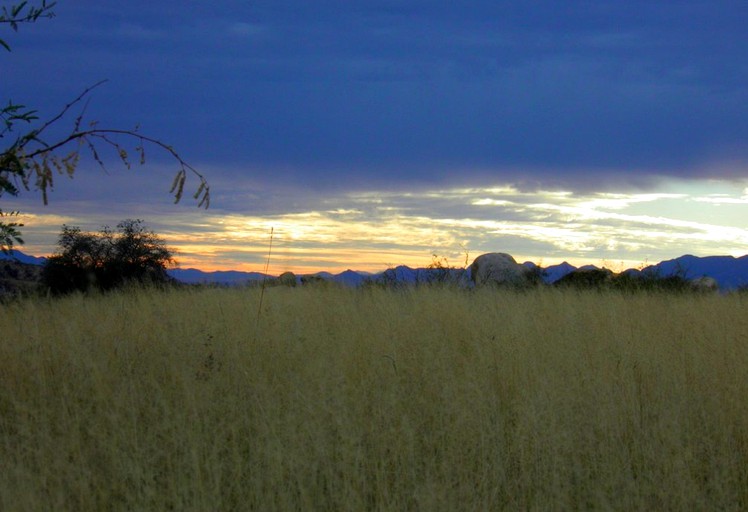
(107, 260)
(586, 279)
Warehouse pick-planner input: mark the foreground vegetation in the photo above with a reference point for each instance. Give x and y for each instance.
(341, 399)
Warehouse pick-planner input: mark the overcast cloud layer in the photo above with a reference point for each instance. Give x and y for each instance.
(392, 91)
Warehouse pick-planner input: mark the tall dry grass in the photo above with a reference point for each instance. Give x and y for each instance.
(340, 399)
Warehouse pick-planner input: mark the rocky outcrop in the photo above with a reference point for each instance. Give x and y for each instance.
(500, 269)
(287, 279)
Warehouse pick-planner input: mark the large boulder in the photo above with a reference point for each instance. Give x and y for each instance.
(287, 279)
(500, 269)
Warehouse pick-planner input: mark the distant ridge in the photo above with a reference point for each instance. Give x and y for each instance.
(23, 258)
(730, 273)
(195, 276)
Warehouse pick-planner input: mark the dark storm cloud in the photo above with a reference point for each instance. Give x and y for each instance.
(409, 94)
(551, 93)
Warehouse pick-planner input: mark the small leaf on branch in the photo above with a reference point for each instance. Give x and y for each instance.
(176, 181)
(205, 200)
(177, 187)
(199, 190)
(95, 154)
(123, 156)
(44, 179)
(17, 8)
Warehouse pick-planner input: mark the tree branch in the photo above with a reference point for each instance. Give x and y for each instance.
(34, 134)
(14, 16)
(203, 192)
(25, 161)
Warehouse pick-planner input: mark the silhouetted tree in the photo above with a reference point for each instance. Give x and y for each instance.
(138, 254)
(107, 259)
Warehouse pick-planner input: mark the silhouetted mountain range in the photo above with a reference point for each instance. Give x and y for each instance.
(729, 272)
(23, 258)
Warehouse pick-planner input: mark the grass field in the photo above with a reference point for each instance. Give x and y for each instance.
(339, 399)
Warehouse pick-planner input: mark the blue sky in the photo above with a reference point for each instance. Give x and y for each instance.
(371, 133)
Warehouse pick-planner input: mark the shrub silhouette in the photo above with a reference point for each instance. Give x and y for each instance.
(586, 279)
(603, 279)
(107, 260)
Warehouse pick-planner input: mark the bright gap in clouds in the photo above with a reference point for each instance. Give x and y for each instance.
(371, 231)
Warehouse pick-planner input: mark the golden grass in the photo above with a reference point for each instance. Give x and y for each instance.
(340, 399)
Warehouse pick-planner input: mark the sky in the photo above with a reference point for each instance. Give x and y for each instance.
(366, 134)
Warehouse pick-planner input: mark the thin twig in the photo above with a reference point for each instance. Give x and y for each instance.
(65, 110)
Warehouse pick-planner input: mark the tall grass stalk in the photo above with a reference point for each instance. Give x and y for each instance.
(430, 399)
(264, 278)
